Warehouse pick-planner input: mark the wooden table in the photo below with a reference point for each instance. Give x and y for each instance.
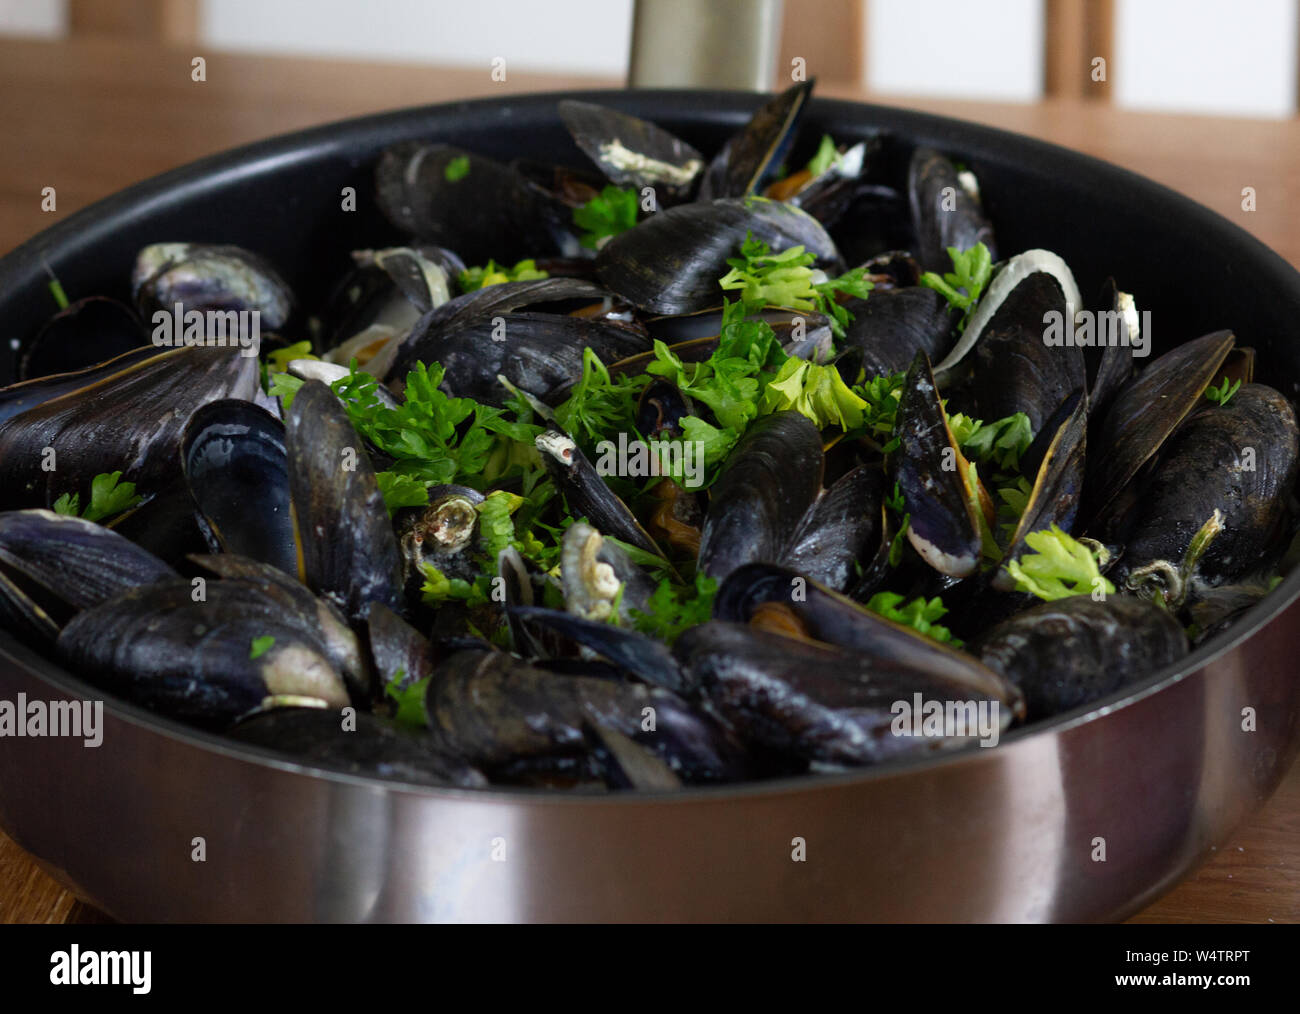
(89, 117)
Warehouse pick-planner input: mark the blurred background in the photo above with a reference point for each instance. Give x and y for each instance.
(1185, 55)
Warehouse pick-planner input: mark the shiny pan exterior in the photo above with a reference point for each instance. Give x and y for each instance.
(1154, 776)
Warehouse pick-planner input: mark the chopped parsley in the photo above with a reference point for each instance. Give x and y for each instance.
(611, 212)
(473, 279)
(963, 286)
(108, 497)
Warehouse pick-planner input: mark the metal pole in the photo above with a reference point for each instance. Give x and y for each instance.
(705, 44)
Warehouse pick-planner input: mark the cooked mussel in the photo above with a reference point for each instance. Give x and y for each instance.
(950, 514)
(209, 661)
(946, 210)
(361, 744)
(347, 551)
(754, 154)
(671, 262)
(203, 277)
(1076, 650)
(768, 482)
(1215, 503)
(235, 463)
(632, 151)
(470, 203)
(829, 705)
(129, 420)
(507, 718)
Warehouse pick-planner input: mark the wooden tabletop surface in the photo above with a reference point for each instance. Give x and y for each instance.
(89, 117)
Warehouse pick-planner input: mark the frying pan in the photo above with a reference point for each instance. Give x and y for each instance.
(1087, 817)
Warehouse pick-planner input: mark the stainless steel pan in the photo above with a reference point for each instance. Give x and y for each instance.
(1159, 773)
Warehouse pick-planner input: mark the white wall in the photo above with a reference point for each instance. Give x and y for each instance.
(585, 36)
(33, 17)
(1236, 58)
(955, 47)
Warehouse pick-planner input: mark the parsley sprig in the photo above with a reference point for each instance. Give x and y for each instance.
(1221, 395)
(473, 279)
(920, 614)
(611, 212)
(965, 283)
(108, 496)
(787, 279)
(1058, 567)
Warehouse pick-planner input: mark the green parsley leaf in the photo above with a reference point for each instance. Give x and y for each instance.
(410, 699)
(473, 279)
(675, 608)
(817, 392)
(611, 212)
(1001, 442)
(457, 169)
(402, 491)
(964, 285)
(600, 406)
(918, 614)
(1058, 568)
(277, 361)
(260, 646)
(1221, 395)
(107, 498)
(827, 155)
(284, 386)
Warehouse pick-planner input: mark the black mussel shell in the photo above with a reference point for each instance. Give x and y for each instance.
(488, 211)
(753, 156)
(892, 325)
(1076, 650)
(235, 463)
(768, 482)
(671, 262)
(346, 546)
(84, 335)
(361, 744)
(202, 276)
(631, 151)
(945, 214)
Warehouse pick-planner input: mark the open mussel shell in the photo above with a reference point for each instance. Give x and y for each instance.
(1014, 369)
(646, 658)
(894, 324)
(946, 211)
(825, 704)
(1057, 481)
(18, 398)
(508, 718)
(1238, 460)
(444, 533)
(53, 564)
(843, 529)
(361, 744)
(632, 151)
(347, 551)
(83, 335)
(296, 605)
(486, 211)
(235, 463)
(944, 528)
(1146, 410)
(1066, 653)
(768, 482)
(596, 573)
(541, 353)
(586, 493)
(785, 601)
(203, 277)
(199, 660)
(129, 420)
(753, 155)
(1110, 360)
(1007, 279)
(382, 297)
(671, 262)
